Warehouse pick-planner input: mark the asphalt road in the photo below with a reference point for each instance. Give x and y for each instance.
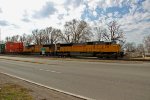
(97, 80)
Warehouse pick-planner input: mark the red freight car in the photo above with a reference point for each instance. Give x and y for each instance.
(14, 47)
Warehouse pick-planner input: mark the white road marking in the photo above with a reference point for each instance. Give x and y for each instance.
(50, 71)
(55, 72)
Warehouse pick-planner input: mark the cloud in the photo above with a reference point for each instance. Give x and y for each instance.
(26, 17)
(23, 17)
(135, 26)
(146, 5)
(4, 23)
(1, 10)
(26, 20)
(15, 26)
(60, 16)
(133, 16)
(74, 3)
(47, 10)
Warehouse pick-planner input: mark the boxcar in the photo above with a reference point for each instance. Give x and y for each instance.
(14, 47)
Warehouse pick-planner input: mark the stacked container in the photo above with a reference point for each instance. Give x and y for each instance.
(14, 47)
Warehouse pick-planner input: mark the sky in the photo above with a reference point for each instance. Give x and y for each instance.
(23, 16)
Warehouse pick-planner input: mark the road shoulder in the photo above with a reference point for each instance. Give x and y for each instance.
(37, 92)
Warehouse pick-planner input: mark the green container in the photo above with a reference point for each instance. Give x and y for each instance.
(2, 48)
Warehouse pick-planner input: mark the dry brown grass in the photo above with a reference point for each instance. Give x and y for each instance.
(11, 91)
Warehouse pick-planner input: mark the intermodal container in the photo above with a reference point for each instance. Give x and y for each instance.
(14, 47)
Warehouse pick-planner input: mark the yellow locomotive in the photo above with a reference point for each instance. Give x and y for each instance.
(95, 49)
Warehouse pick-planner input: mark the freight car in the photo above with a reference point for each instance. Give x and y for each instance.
(13, 47)
(2, 48)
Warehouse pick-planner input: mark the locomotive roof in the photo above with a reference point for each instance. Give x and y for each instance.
(86, 43)
(71, 44)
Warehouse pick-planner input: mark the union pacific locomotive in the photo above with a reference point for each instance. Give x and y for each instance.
(91, 49)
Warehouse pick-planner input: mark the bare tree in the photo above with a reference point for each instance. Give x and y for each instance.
(101, 33)
(7, 39)
(66, 35)
(52, 35)
(116, 34)
(76, 32)
(130, 47)
(55, 36)
(48, 32)
(26, 39)
(140, 49)
(23, 38)
(37, 36)
(14, 38)
(147, 43)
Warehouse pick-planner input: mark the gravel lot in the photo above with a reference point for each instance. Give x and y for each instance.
(38, 93)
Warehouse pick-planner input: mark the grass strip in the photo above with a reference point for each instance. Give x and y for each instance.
(11, 91)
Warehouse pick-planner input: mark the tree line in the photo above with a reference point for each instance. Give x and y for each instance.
(142, 48)
(74, 31)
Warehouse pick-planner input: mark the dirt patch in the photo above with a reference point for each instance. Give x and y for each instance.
(15, 88)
